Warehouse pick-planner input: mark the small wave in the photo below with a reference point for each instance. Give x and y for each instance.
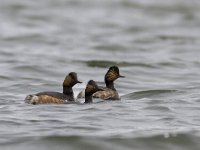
(109, 47)
(158, 108)
(5, 77)
(27, 68)
(106, 63)
(182, 141)
(146, 94)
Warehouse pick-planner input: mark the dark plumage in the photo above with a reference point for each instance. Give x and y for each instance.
(90, 89)
(109, 92)
(56, 97)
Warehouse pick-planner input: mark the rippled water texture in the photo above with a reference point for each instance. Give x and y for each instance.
(156, 46)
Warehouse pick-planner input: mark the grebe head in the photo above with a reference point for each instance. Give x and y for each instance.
(113, 74)
(92, 88)
(71, 79)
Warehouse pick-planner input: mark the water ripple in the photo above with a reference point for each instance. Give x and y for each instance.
(154, 43)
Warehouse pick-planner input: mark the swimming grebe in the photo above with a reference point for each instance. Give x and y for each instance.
(109, 92)
(90, 89)
(56, 97)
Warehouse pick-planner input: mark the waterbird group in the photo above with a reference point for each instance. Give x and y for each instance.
(92, 90)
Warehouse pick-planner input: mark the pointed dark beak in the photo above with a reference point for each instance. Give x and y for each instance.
(121, 76)
(79, 82)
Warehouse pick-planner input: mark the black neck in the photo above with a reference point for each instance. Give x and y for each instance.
(69, 92)
(110, 84)
(88, 98)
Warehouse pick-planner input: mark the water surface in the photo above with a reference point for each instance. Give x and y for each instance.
(154, 43)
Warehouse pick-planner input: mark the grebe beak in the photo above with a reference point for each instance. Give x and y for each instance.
(79, 82)
(121, 76)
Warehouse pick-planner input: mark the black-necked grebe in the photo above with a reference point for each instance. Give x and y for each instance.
(90, 89)
(109, 92)
(56, 97)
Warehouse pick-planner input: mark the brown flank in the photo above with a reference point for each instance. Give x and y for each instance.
(44, 99)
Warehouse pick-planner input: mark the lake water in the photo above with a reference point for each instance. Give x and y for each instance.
(156, 46)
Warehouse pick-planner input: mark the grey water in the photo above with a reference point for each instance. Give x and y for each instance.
(156, 46)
